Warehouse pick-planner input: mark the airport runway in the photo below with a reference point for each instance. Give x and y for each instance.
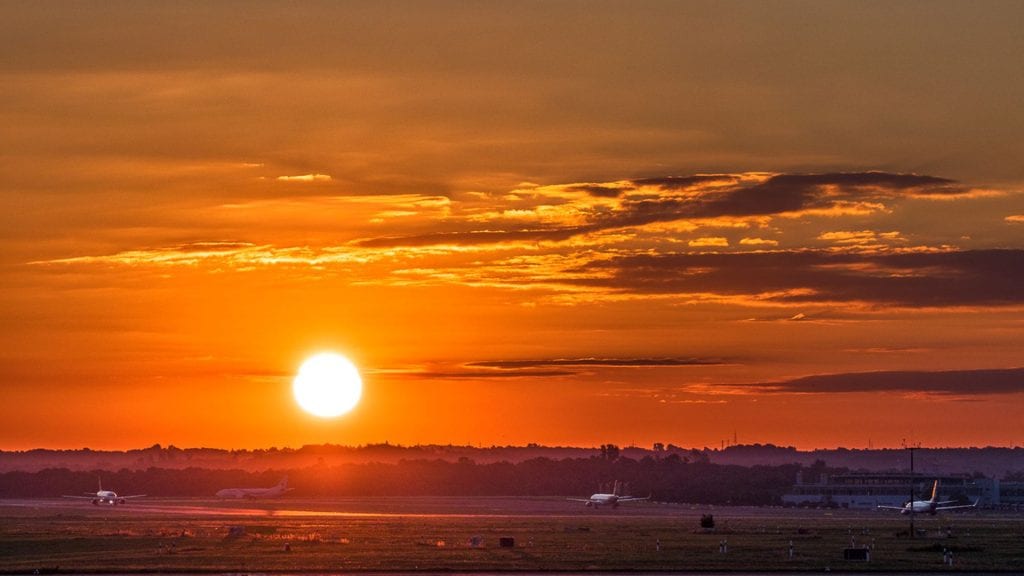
(416, 507)
(424, 534)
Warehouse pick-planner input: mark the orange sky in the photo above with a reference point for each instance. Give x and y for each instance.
(535, 222)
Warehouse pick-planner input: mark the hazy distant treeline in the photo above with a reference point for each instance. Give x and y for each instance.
(991, 461)
(672, 479)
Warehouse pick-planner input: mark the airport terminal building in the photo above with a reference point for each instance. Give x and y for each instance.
(872, 490)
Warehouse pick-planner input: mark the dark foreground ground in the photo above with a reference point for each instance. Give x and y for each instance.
(463, 535)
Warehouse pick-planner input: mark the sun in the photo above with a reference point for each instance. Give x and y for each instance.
(327, 385)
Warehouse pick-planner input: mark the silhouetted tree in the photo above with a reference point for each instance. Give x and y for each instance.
(670, 479)
(610, 452)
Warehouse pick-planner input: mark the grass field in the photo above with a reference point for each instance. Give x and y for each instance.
(435, 534)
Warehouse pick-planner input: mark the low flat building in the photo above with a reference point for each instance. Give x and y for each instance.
(1011, 495)
(873, 490)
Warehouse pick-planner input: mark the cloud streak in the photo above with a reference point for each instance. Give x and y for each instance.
(603, 362)
(943, 383)
(913, 279)
(306, 178)
(685, 238)
(647, 201)
(485, 374)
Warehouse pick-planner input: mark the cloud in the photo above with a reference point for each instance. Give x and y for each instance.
(231, 254)
(684, 182)
(483, 374)
(758, 242)
(912, 279)
(829, 317)
(306, 178)
(618, 240)
(607, 362)
(882, 181)
(947, 383)
(471, 238)
(710, 241)
(905, 278)
(595, 207)
(600, 190)
(787, 193)
(889, 350)
(1015, 219)
(862, 238)
(547, 368)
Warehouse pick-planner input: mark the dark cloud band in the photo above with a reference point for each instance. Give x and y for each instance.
(918, 279)
(686, 198)
(609, 362)
(951, 383)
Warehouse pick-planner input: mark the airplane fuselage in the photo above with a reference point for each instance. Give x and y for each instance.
(603, 500)
(253, 493)
(107, 497)
(102, 496)
(920, 507)
(248, 493)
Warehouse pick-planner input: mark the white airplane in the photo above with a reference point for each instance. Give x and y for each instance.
(251, 493)
(613, 499)
(930, 506)
(105, 496)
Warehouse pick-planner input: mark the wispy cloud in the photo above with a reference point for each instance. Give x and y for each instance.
(471, 238)
(546, 367)
(579, 209)
(758, 242)
(483, 374)
(914, 279)
(862, 238)
(709, 242)
(306, 178)
(628, 239)
(944, 383)
(235, 255)
(604, 362)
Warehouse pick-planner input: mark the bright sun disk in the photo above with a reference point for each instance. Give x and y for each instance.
(327, 385)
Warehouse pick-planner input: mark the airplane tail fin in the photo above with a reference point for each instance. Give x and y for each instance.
(935, 491)
(283, 483)
(617, 489)
(99, 482)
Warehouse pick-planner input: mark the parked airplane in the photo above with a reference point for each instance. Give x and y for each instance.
(613, 499)
(272, 492)
(105, 496)
(930, 506)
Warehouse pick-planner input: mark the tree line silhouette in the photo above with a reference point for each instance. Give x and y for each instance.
(670, 479)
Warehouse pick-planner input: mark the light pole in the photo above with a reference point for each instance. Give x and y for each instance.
(911, 503)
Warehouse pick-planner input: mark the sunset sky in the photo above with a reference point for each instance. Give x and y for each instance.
(554, 222)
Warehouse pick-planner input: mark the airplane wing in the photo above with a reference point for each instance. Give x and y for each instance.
(93, 497)
(632, 499)
(892, 507)
(578, 499)
(975, 505)
(132, 496)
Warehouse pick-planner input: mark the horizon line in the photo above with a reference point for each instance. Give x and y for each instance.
(528, 446)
